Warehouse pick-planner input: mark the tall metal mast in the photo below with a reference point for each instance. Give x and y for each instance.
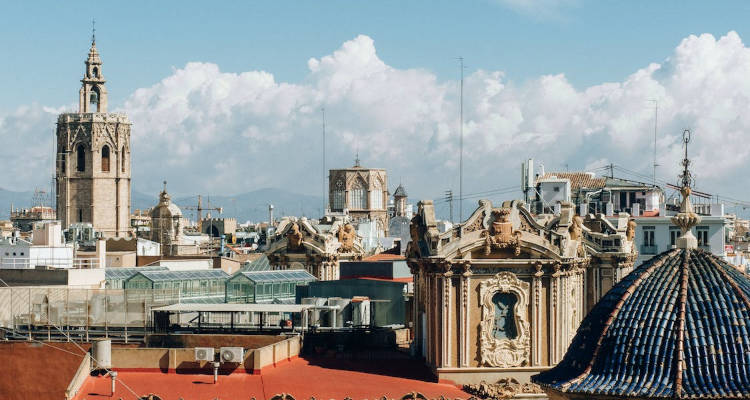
(656, 120)
(461, 146)
(325, 179)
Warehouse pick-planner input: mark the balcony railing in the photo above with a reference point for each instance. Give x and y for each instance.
(54, 263)
(646, 249)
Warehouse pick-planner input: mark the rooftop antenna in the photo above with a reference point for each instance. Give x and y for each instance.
(93, 31)
(325, 178)
(461, 144)
(656, 120)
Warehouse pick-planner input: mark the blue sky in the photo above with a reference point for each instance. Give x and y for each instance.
(141, 41)
(226, 98)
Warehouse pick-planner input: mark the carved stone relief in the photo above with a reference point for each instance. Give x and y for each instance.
(346, 238)
(501, 234)
(294, 236)
(505, 334)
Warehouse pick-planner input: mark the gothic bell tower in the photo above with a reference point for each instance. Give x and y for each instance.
(93, 159)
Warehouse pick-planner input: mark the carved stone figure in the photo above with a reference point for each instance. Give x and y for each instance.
(630, 232)
(294, 236)
(576, 228)
(346, 237)
(501, 234)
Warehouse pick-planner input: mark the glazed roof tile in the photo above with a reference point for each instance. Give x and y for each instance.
(677, 327)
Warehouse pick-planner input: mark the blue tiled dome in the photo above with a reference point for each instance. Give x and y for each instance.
(675, 327)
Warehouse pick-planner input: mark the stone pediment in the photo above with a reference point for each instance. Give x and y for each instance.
(299, 235)
(508, 231)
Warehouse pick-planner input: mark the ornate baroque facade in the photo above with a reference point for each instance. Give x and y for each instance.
(501, 295)
(93, 159)
(298, 244)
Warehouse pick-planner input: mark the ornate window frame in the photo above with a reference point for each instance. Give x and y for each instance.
(504, 352)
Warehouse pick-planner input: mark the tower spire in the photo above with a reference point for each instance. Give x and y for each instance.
(687, 218)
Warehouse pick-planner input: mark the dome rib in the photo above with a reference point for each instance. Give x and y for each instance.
(676, 327)
(679, 349)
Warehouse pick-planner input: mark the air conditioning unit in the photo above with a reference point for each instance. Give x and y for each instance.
(231, 354)
(204, 354)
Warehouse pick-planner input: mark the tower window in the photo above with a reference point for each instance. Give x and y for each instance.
(80, 158)
(94, 98)
(105, 158)
(80, 215)
(95, 72)
(358, 197)
(123, 159)
(339, 196)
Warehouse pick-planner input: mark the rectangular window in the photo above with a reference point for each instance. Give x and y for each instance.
(648, 236)
(702, 235)
(674, 233)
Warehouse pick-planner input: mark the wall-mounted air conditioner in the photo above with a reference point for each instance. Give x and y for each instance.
(204, 354)
(231, 354)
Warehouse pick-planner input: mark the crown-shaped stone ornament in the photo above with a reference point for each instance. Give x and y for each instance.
(687, 218)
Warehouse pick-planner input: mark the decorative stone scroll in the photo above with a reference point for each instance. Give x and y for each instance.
(505, 334)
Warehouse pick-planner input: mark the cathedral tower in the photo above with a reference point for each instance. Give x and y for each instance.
(93, 159)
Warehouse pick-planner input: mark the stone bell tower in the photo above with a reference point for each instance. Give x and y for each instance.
(93, 158)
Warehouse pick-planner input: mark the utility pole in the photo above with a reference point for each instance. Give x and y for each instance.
(611, 170)
(461, 146)
(449, 199)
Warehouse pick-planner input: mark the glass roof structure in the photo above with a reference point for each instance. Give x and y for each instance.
(259, 264)
(127, 272)
(156, 276)
(290, 275)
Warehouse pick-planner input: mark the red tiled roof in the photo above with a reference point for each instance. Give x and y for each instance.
(384, 257)
(578, 179)
(302, 378)
(32, 371)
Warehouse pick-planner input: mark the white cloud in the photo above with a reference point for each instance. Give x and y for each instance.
(209, 131)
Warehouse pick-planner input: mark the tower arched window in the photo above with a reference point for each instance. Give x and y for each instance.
(358, 197)
(95, 72)
(94, 99)
(80, 158)
(339, 196)
(105, 158)
(122, 153)
(376, 197)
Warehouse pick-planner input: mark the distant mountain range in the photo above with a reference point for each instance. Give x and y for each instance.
(249, 206)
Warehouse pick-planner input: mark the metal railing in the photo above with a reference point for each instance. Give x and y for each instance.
(31, 263)
(122, 314)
